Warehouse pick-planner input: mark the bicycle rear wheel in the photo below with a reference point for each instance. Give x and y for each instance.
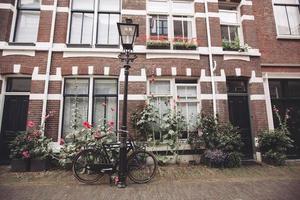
(142, 166)
(84, 166)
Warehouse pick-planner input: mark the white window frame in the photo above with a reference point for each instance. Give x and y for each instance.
(95, 24)
(238, 24)
(286, 3)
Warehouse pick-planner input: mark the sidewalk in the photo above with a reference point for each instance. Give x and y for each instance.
(172, 182)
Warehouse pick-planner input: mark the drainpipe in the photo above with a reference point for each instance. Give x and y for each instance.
(47, 75)
(212, 65)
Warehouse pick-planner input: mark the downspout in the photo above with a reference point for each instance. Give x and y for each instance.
(212, 66)
(49, 59)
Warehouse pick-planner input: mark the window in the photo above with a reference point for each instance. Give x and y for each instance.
(82, 22)
(187, 104)
(158, 27)
(77, 102)
(27, 24)
(182, 27)
(281, 89)
(18, 85)
(287, 17)
(230, 26)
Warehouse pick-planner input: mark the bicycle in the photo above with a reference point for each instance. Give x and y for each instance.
(90, 165)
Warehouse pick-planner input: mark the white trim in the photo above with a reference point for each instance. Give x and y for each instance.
(237, 57)
(288, 37)
(247, 17)
(268, 102)
(282, 75)
(255, 79)
(133, 78)
(238, 71)
(204, 78)
(57, 97)
(74, 70)
(41, 77)
(17, 68)
(254, 97)
(61, 111)
(246, 3)
(210, 14)
(2, 98)
(62, 9)
(18, 52)
(188, 72)
(13, 23)
(158, 71)
(7, 6)
(209, 1)
(106, 71)
(70, 54)
(90, 106)
(172, 54)
(47, 7)
(210, 96)
(133, 12)
(90, 70)
(173, 71)
(137, 97)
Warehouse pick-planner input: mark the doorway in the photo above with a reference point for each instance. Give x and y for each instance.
(14, 116)
(239, 116)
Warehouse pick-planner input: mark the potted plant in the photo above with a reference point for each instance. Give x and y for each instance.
(158, 44)
(180, 44)
(40, 152)
(19, 153)
(234, 46)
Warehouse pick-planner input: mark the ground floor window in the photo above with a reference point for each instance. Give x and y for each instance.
(89, 99)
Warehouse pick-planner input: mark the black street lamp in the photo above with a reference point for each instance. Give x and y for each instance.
(128, 32)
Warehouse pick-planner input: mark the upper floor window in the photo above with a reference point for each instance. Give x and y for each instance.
(158, 26)
(86, 13)
(27, 23)
(182, 28)
(287, 17)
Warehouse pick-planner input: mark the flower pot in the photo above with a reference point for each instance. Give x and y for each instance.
(158, 47)
(20, 165)
(182, 47)
(37, 165)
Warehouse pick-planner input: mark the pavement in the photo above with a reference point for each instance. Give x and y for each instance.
(171, 183)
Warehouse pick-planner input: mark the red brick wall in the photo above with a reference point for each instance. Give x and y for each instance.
(5, 25)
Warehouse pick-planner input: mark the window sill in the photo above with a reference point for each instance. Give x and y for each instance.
(21, 44)
(107, 46)
(79, 45)
(288, 37)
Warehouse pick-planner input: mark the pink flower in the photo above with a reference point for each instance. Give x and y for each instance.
(86, 124)
(30, 124)
(62, 141)
(111, 123)
(103, 104)
(116, 180)
(26, 154)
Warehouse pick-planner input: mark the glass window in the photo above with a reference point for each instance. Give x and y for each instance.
(160, 88)
(107, 29)
(159, 27)
(82, 22)
(287, 19)
(236, 86)
(182, 28)
(275, 89)
(229, 33)
(27, 24)
(186, 92)
(293, 88)
(109, 5)
(76, 103)
(18, 85)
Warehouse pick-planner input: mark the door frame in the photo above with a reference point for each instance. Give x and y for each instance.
(246, 80)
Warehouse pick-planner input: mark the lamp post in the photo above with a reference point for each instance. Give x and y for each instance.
(128, 32)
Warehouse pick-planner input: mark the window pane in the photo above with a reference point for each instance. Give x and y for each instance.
(30, 4)
(189, 111)
(109, 5)
(76, 86)
(224, 32)
(275, 89)
(178, 32)
(159, 26)
(108, 86)
(105, 110)
(188, 30)
(113, 29)
(187, 92)
(153, 25)
(160, 88)
(294, 19)
(76, 28)
(281, 20)
(233, 30)
(236, 86)
(103, 28)
(87, 31)
(228, 17)
(27, 26)
(18, 85)
(69, 118)
(293, 88)
(83, 4)
(162, 104)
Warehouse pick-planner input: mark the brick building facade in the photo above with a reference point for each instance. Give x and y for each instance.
(195, 51)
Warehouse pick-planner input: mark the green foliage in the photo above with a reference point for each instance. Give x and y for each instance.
(274, 144)
(40, 148)
(19, 145)
(184, 45)
(158, 44)
(234, 45)
(222, 141)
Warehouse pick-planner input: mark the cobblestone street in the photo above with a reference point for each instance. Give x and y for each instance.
(172, 182)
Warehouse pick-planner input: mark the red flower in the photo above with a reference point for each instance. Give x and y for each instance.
(111, 123)
(86, 124)
(30, 124)
(26, 154)
(62, 141)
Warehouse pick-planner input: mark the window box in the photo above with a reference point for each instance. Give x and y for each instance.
(37, 165)
(20, 165)
(158, 44)
(184, 46)
(234, 46)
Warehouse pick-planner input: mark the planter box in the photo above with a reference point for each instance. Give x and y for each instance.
(184, 48)
(21, 165)
(39, 165)
(158, 47)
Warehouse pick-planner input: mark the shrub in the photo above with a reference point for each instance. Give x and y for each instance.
(214, 158)
(274, 144)
(20, 147)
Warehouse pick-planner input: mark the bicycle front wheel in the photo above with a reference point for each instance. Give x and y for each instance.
(85, 166)
(142, 166)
